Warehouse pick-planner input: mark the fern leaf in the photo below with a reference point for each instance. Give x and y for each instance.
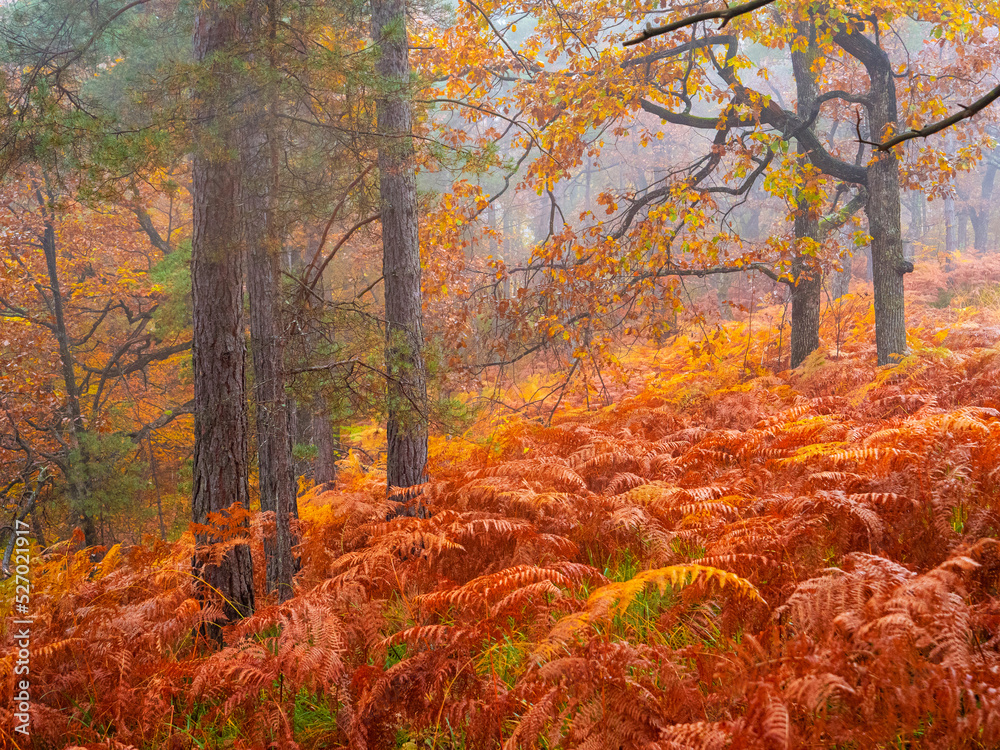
(614, 598)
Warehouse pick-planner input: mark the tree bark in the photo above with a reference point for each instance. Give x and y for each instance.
(260, 154)
(883, 208)
(217, 259)
(406, 379)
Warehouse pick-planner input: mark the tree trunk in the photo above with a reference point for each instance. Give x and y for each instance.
(723, 282)
(883, 208)
(806, 293)
(406, 380)
(260, 155)
(980, 215)
(326, 441)
(842, 280)
(220, 430)
(949, 231)
(156, 486)
(916, 215)
(806, 275)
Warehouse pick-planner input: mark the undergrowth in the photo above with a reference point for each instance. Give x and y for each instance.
(724, 558)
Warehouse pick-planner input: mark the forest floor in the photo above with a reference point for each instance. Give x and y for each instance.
(723, 557)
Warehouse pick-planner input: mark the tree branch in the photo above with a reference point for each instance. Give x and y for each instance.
(707, 41)
(161, 421)
(936, 127)
(146, 222)
(725, 15)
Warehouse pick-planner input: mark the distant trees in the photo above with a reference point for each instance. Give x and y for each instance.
(701, 76)
(980, 209)
(63, 138)
(882, 176)
(79, 342)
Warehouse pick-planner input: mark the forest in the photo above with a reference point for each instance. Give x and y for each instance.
(514, 374)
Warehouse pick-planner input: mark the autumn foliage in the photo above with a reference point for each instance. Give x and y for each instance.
(724, 557)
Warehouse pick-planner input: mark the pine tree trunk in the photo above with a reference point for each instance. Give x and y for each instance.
(407, 388)
(217, 259)
(260, 153)
(883, 208)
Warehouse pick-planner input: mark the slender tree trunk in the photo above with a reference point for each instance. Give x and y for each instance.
(77, 474)
(981, 214)
(217, 259)
(750, 224)
(842, 280)
(723, 283)
(888, 263)
(641, 184)
(407, 387)
(326, 448)
(156, 485)
(299, 415)
(261, 155)
(26, 507)
(314, 426)
(914, 230)
(917, 203)
(949, 231)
